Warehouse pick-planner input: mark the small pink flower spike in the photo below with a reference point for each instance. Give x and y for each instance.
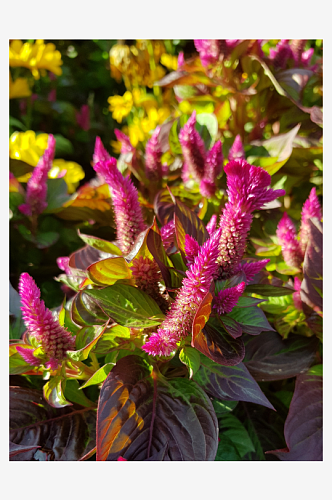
(311, 208)
(121, 459)
(212, 225)
(167, 233)
(83, 117)
(193, 149)
(28, 356)
(290, 246)
(236, 152)
(250, 269)
(191, 248)
(54, 338)
(100, 153)
(63, 264)
(212, 170)
(210, 51)
(147, 277)
(297, 47)
(126, 145)
(227, 299)
(127, 210)
(297, 294)
(195, 286)
(180, 60)
(35, 201)
(153, 167)
(281, 54)
(247, 190)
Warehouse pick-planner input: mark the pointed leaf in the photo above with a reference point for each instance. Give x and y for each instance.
(230, 382)
(251, 319)
(128, 306)
(66, 433)
(53, 393)
(187, 222)
(86, 312)
(100, 244)
(191, 358)
(312, 284)
(303, 426)
(231, 427)
(269, 357)
(84, 352)
(138, 414)
(108, 271)
(99, 376)
(231, 326)
(269, 290)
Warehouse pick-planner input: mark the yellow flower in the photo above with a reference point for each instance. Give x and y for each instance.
(171, 62)
(35, 56)
(18, 88)
(119, 60)
(116, 146)
(73, 176)
(121, 105)
(135, 132)
(27, 147)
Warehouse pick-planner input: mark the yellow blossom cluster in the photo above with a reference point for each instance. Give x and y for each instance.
(18, 88)
(35, 56)
(29, 147)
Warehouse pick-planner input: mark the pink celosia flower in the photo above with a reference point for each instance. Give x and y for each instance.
(228, 298)
(191, 248)
(83, 117)
(193, 148)
(54, 338)
(147, 276)
(52, 96)
(213, 168)
(35, 201)
(127, 210)
(180, 60)
(210, 51)
(195, 286)
(290, 246)
(247, 189)
(300, 56)
(311, 208)
(297, 294)
(236, 152)
(250, 269)
(28, 356)
(281, 54)
(126, 145)
(121, 459)
(63, 264)
(212, 225)
(167, 233)
(100, 153)
(153, 168)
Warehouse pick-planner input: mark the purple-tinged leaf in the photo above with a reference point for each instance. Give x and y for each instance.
(269, 357)
(230, 382)
(65, 433)
(269, 290)
(251, 319)
(312, 284)
(15, 449)
(303, 426)
(86, 312)
(53, 393)
(187, 222)
(249, 301)
(139, 413)
(231, 326)
(81, 259)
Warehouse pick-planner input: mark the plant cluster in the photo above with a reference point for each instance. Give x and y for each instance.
(187, 319)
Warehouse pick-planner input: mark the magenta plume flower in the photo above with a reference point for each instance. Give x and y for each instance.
(247, 189)
(167, 233)
(147, 276)
(311, 208)
(126, 145)
(191, 248)
(212, 225)
(281, 54)
(228, 298)
(27, 355)
(213, 168)
(193, 149)
(236, 152)
(210, 51)
(83, 117)
(153, 167)
(35, 201)
(54, 338)
(100, 153)
(63, 264)
(127, 210)
(180, 60)
(250, 269)
(290, 246)
(297, 294)
(195, 286)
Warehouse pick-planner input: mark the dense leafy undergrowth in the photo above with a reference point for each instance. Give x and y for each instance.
(170, 307)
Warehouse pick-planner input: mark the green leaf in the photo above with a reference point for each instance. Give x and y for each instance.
(86, 312)
(316, 370)
(128, 306)
(83, 353)
(99, 376)
(221, 407)
(63, 146)
(227, 451)
(276, 305)
(73, 393)
(108, 271)
(19, 168)
(53, 392)
(211, 123)
(111, 338)
(252, 319)
(269, 290)
(231, 427)
(100, 244)
(191, 358)
(173, 139)
(57, 194)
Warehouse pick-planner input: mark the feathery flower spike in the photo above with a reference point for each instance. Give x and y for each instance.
(126, 145)
(127, 210)
(228, 298)
(167, 233)
(212, 225)
(311, 208)
(63, 264)
(28, 356)
(100, 153)
(247, 189)
(250, 269)
(290, 246)
(35, 201)
(54, 338)
(191, 248)
(193, 148)
(147, 276)
(213, 168)
(195, 286)
(153, 168)
(297, 294)
(281, 54)
(236, 152)
(210, 51)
